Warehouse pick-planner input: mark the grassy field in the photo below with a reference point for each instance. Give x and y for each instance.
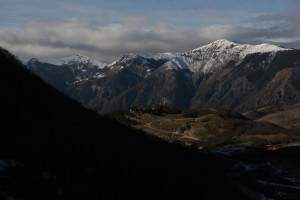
(287, 116)
(209, 128)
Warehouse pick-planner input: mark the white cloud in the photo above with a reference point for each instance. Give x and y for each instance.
(49, 40)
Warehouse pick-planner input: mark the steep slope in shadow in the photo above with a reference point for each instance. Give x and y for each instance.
(62, 151)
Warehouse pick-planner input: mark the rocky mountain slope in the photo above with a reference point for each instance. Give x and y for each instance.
(221, 74)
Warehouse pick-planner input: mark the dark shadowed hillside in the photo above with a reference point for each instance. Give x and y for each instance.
(59, 150)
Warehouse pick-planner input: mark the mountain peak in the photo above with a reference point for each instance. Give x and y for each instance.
(82, 60)
(76, 58)
(222, 42)
(225, 45)
(33, 60)
(215, 55)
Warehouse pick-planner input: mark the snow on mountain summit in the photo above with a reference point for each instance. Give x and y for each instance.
(263, 48)
(211, 57)
(81, 60)
(218, 44)
(224, 45)
(82, 67)
(205, 59)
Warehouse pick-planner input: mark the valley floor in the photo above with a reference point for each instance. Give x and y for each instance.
(210, 128)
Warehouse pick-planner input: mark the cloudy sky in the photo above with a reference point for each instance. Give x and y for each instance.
(105, 30)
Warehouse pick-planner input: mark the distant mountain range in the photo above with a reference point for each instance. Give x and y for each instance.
(220, 74)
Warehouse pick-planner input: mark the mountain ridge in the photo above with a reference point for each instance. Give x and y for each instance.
(221, 73)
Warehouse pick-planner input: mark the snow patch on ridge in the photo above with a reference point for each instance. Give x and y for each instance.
(176, 64)
(81, 60)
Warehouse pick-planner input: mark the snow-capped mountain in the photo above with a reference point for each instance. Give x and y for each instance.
(221, 73)
(81, 60)
(207, 58)
(213, 56)
(68, 71)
